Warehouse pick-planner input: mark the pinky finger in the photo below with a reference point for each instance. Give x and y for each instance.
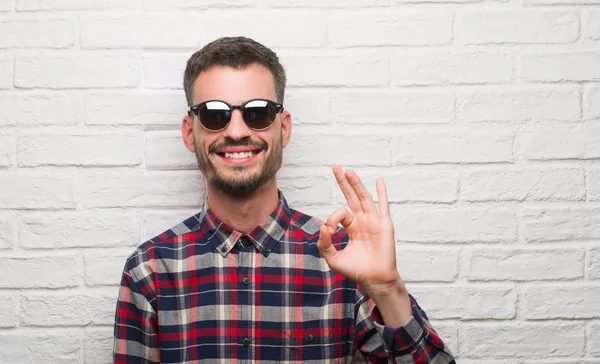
(384, 206)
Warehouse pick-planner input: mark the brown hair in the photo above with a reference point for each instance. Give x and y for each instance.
(236, 52)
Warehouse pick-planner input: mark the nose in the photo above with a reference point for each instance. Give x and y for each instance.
(237, 128)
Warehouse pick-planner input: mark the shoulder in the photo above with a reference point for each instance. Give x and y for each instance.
(166, 244)
(310, 226)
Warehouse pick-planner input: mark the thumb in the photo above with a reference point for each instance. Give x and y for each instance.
(324, 244)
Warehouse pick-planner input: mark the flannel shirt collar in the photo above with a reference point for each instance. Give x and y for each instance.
(264, 237)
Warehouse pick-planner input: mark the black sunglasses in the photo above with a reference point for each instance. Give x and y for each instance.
(258, 114)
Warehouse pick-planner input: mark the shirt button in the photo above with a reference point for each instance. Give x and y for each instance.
(246, 342)
(223, 249)
(310, 338)
(246, 281)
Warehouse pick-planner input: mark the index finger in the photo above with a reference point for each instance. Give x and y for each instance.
(347, 190)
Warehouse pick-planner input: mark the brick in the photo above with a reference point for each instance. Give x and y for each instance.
(525, 265)
(37, 5)
(417, 67)
(98, 343)
(41, 272)
(104, 270)
(561, 2)
(461, 302)
(460, 146)
(590, 25)
(395, 107)
(7, 5)
(8, 149)
(562, 361)
(146, 108)
(525, 340)
(133, 189)
(492, 361)
(591, 102)
(8, 231)
(427, 265)
(552, 67)
(81, 229)
(49, 33)
(309, 106)
(31, 108)
(328, 3)
(164, 71)
(6, 73)
(311, 190)
(385, 27)
(559, 301)
(450, 224)
(84, 70)
(593, 336)
(21, 347)
(349, 150)
(313, 34)
(156, 222)
(523, 184)
(521, 103)
(593, 264)
(593, 184)
(153, 30)
(9, 310)
(547, 143)
(37, 190)
(519, 26)
(165, 150)
(404, 2)
(318, 69)
(555, 223)
(97, 149)
(195, 4)
(414, 185)
(73, 309)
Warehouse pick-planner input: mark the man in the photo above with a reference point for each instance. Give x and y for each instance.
(249, 279)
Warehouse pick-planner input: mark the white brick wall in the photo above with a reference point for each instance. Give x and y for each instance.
(483, 117)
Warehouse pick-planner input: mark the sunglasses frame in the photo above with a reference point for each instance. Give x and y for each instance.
(195, 110)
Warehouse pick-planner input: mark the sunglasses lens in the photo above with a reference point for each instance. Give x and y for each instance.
(214, 115)
(259, 114)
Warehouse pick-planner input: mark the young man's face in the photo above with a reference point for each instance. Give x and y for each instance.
(237, 160)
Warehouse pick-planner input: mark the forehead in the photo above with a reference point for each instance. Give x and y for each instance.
(234, 85)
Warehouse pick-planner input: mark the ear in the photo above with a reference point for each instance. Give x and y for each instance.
(286, 127)
(187, 132)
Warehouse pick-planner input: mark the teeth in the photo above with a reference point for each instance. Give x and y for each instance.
(239, 155)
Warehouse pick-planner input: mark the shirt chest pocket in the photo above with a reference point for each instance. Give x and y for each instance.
(315, 344)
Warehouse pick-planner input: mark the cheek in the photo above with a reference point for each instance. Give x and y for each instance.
(272, 137)
(203, 141)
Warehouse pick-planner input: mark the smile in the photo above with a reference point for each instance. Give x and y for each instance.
(239, 157)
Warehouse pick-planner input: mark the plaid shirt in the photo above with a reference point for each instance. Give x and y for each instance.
(202, 292)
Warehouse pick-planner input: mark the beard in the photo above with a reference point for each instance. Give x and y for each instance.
(242, 182)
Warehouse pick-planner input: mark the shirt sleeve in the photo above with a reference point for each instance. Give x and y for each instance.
(415, 342)
(135, 334)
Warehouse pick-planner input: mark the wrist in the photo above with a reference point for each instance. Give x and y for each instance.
(383, 290)
(393, 304)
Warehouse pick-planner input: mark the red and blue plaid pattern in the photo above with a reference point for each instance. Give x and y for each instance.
(204, 293)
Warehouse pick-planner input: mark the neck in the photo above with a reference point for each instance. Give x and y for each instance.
(243, 213)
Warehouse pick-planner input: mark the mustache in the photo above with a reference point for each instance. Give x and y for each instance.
(240, 143)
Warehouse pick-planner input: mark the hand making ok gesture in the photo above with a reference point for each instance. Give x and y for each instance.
(369, 258)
